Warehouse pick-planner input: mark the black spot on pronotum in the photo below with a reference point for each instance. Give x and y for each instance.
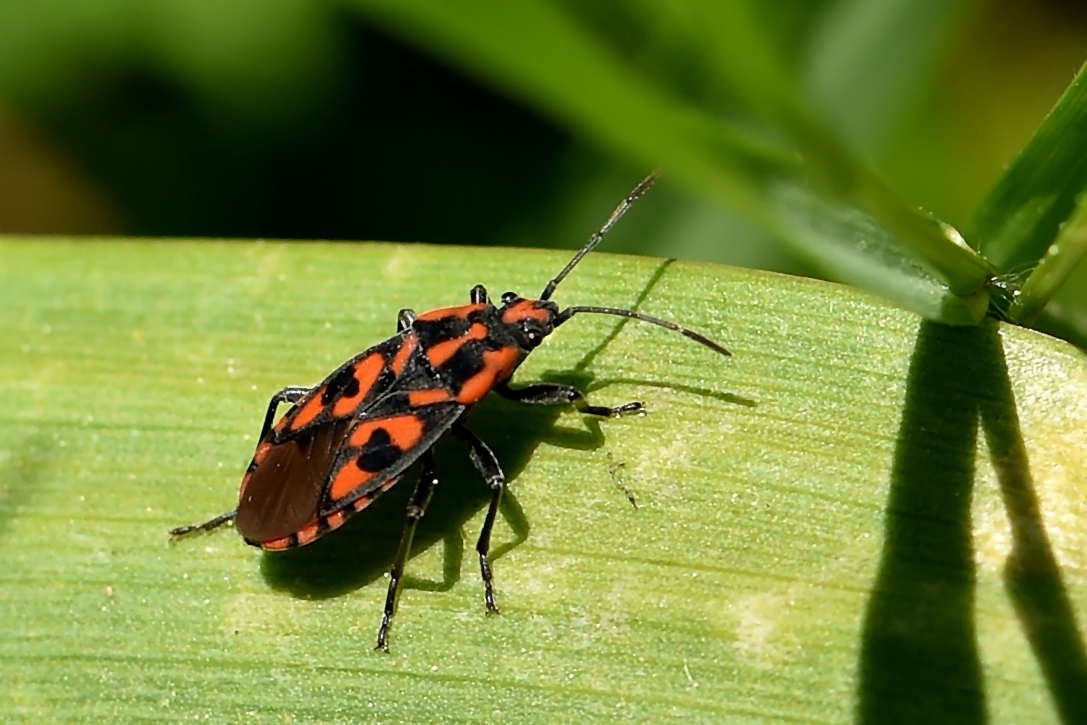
(344, 384)
(379, 452)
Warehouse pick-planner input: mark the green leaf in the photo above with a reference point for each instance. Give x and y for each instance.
(1055, 267)
(859, 516)
(867, 59)
(1020, 217)
(792, 179)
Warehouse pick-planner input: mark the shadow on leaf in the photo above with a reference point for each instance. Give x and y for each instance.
(919, 657)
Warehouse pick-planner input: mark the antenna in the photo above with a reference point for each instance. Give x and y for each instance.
(620, 210)
(701, 339)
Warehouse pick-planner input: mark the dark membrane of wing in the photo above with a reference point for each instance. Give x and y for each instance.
(284, 492)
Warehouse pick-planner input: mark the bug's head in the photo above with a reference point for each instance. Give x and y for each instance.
(530, 321)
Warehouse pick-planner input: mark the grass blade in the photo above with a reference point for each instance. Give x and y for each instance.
(1060, 261)
(1022, 214)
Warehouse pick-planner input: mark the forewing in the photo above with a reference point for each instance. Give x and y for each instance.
(382, 444)
(281, 492)
(351, 389)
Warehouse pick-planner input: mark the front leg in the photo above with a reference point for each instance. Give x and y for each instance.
(553, 394)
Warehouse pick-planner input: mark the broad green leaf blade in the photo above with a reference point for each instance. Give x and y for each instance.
(541, 55)
(857, 516)
(1021, 215)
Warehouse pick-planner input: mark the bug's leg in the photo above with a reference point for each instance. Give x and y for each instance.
(206, 526)
(552, 394)
(486, 463)
(289, 394)
(478, 295)
(424, 489)
(404, 318)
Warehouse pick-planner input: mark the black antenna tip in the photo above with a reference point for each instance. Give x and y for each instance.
(705, 341)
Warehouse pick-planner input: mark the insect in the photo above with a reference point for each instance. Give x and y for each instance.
(352, 437)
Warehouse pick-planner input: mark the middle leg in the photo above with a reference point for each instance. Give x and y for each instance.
(554, 394)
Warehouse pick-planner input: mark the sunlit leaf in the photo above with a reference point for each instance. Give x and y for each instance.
(859, 516)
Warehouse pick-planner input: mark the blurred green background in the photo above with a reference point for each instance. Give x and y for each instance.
(322, 119)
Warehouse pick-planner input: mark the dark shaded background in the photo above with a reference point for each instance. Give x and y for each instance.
(300, 119)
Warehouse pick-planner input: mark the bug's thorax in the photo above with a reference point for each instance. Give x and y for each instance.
(474, 347)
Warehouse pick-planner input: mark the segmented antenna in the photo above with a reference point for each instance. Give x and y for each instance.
(631, 314)
(701, 339)
(595, 238)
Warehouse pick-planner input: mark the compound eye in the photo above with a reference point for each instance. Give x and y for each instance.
(508, 297)
(532, 333)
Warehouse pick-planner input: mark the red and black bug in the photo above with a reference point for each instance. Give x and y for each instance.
(351, 438)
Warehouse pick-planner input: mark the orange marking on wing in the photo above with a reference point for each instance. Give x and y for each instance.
(309, 411)
(401, 359)
(462, 311)
(428, 397)
(307, 534)
(366, 372)
(361, 503)
(280, 424)
(404, 431)
(347, 479)
(497, 365)
(522, 310)
(276, 544)
(335, 519)
(441, 352)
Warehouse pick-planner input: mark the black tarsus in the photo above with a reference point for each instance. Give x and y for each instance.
(417, 504)
(620, 210)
